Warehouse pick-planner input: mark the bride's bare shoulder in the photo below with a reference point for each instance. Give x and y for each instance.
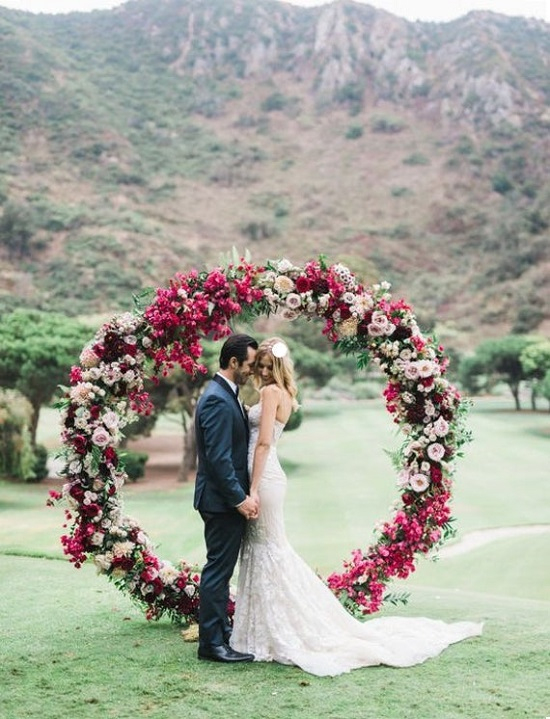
(271, 391)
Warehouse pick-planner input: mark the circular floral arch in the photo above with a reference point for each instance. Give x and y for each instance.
(107, 392)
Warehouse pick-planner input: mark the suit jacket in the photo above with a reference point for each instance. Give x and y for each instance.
(222, 447)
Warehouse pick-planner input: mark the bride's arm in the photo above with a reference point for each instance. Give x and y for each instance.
(270, 401)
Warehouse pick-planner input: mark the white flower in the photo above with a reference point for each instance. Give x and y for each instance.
(92, 374)
(403, 479)
(80, 423)
(283, 284)
(146, 342)
(406, 354)
(103, 561)
(123, 549)
(81, 392)
(168, 573)
(361, 304)
(268, 278)
(75, 466)
(426, 368)
(293, 301)
(110, 419)
(89, 497)
(348, 328)
(190, 590)
(288, 314)
(284, 265)
(436, 451)
(97, 538)
(419, 482)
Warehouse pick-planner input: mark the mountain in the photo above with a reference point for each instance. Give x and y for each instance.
(147, 139)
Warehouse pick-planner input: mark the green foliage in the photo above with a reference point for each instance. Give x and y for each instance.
(276, 102)
(535, 358)
(134, 463)
(38, 350)
(354, 132)
(40, 464)
(17, 228)
(416, 158)
(351, 94)
(544, 386)
(387, 124)
(498, 359)
(400, 191)
(16, 451)
(501, 183)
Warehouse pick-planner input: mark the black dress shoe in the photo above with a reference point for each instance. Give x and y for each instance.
(223, 653)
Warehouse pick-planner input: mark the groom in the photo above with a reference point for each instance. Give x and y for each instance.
(221, 492)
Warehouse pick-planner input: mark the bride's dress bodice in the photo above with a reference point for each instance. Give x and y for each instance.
(254, 426)
(285, 613)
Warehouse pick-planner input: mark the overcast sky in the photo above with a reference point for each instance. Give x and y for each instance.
(436, 10)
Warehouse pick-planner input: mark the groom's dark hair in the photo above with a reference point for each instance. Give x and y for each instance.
(236, 346)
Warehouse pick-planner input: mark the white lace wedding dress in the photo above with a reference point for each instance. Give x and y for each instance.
(285, 613)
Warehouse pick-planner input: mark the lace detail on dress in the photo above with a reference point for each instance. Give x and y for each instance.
(285, 612)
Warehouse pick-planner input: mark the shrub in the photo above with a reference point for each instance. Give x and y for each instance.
(274, 102)
(134, 463)
(386, 124)
(417, 158)
(501, 183)
(17, 459)
(354, 131)
(40, 465)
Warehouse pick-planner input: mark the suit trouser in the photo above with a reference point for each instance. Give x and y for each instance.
(223, 533)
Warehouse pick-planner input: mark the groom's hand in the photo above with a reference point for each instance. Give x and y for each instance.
(249, 508)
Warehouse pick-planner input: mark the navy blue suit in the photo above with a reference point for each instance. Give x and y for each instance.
(222, 483)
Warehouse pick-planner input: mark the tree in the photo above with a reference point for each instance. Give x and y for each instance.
(17, 228)
(37, 350)
(500, 359)
(535, 360)
(17, 459)
(544, 387)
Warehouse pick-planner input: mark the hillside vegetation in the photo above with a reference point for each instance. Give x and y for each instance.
(153, 137)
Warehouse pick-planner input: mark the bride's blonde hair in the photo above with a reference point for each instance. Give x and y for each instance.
(283, 366)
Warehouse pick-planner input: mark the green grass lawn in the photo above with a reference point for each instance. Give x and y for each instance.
(71, 645)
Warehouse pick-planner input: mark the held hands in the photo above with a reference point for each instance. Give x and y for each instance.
(250, 508)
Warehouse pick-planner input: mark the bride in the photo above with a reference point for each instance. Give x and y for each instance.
(284, 612)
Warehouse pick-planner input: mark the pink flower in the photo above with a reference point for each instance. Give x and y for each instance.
(88, 358)
(441, 427)
(410, 370)
(436, 451)
(101, 437)
(419, 482)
